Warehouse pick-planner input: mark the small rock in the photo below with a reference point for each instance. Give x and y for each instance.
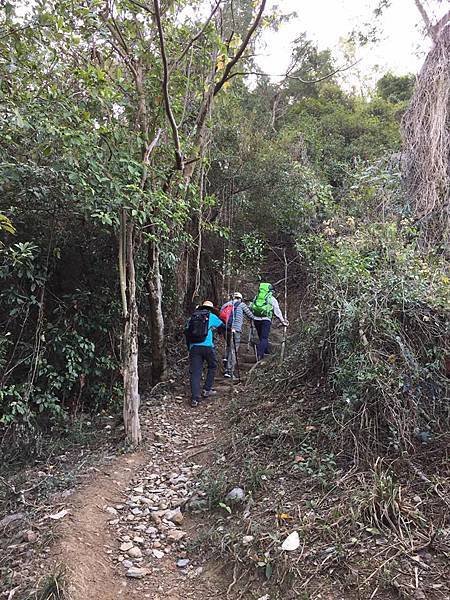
(247, 540)
(139, 489)
(138, 540)
(151, 530)
(135, 552)
(237, 494)
(182, 563)
(156, 516)
(136, 511)
(126, 546)
(127, 564)
(158, 553)
(111, 510)
(176, 516)
(176, 535)
(136, 572)
(30, 536)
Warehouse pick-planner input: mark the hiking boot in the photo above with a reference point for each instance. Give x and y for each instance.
(208, 393)
(228, 375)
(195, 402)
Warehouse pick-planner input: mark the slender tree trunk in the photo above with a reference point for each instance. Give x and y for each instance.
(154, 283)
(130, 371)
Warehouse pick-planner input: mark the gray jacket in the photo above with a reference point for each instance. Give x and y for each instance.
(240, 310)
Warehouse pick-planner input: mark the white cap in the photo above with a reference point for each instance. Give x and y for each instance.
(208, 303)
(237, 295)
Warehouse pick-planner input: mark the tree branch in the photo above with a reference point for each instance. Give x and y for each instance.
(165, 88)
(287, 76)
(198, 35)
(141, 5)
(425, 17)
(441, 24)
(241, 50)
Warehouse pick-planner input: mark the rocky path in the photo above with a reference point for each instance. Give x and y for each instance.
(130, 530)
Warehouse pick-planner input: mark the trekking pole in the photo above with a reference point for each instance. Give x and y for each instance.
(252, 335)
(237, 360)
(283, 343)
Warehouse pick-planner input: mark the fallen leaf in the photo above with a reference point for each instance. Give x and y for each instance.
(284, 516)
(292, 542)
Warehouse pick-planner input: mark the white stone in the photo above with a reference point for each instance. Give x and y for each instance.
(136, 572)
(126, 546)
(135, 552)
(292, 542)
(237, 494)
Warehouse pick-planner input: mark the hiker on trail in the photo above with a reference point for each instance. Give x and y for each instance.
(199, 338)
(264, 307)
(232, 314)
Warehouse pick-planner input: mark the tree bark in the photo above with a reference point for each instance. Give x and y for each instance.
(154, 284)
(131, 399)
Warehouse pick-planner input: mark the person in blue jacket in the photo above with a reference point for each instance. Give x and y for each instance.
(204, 351)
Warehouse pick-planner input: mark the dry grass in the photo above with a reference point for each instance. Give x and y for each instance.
(368, 529)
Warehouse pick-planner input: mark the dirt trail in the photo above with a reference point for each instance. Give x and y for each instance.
(85, 535)
(178, 439)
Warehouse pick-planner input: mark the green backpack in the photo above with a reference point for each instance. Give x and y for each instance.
(261, 305)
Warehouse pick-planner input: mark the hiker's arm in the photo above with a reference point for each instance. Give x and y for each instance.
(277, 312)
(247, 312)
(186, 325)
(217, 323)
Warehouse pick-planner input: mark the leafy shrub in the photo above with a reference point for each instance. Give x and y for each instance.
(55, 356)
(380, 326)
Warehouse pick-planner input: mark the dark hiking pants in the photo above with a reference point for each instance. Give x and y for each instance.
(197, 356)
(263, 329)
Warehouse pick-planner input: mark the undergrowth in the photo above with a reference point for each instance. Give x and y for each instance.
(346, 442)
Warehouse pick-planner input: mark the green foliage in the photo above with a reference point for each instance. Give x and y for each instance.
(53, 356)
(6, 225)
(394, 88)
(379, 324)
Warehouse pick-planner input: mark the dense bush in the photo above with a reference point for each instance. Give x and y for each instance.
(57, 349)
(379, 323)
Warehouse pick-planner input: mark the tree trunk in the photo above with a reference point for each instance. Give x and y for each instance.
(130, 371)
(154, 283)
(131, 398)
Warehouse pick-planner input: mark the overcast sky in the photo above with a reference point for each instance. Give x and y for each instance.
(328, 22)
